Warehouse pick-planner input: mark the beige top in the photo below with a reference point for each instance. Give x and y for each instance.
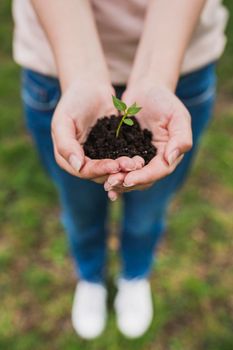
(120, 24)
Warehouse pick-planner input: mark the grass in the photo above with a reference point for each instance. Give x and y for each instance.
(192, 281)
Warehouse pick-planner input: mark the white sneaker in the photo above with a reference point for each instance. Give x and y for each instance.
(134, 308)
(89, 310)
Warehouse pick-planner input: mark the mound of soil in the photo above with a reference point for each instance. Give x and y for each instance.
(102, 142)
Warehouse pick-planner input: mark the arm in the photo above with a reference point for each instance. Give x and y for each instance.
(167, 30)
(71, 30)
(86, 88)
(85, 83)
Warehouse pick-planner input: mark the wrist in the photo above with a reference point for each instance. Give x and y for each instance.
(155, 77)
(85, 76)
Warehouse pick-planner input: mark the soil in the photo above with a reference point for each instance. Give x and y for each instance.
(102, 142)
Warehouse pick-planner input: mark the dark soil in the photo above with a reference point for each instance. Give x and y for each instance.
(102, 142)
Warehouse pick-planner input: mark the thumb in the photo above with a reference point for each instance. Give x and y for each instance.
(180, 140)
(175, 148)
(65, 142)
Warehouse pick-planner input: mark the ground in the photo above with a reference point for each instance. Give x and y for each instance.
(192, 285)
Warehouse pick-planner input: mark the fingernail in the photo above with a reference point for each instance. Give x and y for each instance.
(75, 162)
(128, 185)
(107, 187)
(113, 198)
(172, 157)
(113, 182)
(130, 168)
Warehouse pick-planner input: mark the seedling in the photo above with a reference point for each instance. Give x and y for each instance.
(127, 112)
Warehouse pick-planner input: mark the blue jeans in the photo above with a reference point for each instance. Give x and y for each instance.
(85, 203)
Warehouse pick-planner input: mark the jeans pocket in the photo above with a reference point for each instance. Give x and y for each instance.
(39, 91)
(197, 87)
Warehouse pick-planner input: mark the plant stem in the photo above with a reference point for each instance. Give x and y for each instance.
(120, 124)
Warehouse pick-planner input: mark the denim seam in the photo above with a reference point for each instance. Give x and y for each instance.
(42, 106)
(203, 97)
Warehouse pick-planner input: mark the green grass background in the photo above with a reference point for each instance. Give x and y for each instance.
(191, 283)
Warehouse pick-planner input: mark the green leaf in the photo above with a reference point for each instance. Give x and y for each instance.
(133, 105)
(120, 105)
(134, 109)
(128, 121)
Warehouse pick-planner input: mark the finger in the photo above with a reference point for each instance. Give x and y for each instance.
(94, 168)
(114, 180)
(154, 171)
(139, 162)
(180, 140)
(64, 138)
(63, 163)
(100, 180)
(112, 195)
(122, 189)
(133, 188)
(126, 163)
(117, 179)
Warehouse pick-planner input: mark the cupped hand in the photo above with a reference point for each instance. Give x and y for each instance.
(170, 123)
(77, 111)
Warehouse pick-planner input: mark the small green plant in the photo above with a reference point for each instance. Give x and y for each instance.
(127, 111)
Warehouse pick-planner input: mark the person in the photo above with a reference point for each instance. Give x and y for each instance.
(76, 54)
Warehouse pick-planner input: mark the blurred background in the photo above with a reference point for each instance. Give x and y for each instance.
(192, 281)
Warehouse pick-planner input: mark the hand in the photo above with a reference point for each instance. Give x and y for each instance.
(79, 108)
(169, 121)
